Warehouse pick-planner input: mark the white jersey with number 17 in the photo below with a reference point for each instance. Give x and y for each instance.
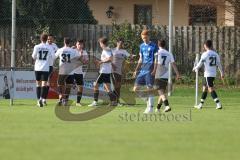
(42, 54)
(211, 61)
(68, 59)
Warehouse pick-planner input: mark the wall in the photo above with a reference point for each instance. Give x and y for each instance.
(124, 10)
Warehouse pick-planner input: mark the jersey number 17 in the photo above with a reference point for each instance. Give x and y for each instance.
(43, 55)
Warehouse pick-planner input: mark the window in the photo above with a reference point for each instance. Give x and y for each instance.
(202, 15)
(143, 14)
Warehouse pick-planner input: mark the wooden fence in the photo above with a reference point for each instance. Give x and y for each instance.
(188, 40)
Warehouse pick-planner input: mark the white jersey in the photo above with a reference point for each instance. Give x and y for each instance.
(55, 48)
(119, 55)
(84, 56)
(42, 54)
(164, 58)
(106, 67)
(68, 60)
(211, 61)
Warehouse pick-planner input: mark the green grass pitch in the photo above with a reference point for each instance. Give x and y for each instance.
(31, 133)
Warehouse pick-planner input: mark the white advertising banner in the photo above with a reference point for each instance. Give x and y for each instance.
(24, 85)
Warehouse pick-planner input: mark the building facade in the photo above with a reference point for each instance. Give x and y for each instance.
(186, 12)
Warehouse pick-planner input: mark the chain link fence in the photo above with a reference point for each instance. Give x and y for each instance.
(74, 18)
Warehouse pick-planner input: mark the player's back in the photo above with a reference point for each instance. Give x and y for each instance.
(210, 60)
(164, 57)
(42, 53)
(163, 60)
(106, 67)
(68, 59)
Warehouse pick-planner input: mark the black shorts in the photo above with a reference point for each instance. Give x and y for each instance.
(104, 78)
(161, 84)
(208, 81)
(78, 78)
(50, 72)
(41, 75)
(65, 79)
(117, 78)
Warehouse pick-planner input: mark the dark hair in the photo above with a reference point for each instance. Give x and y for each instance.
(103, 40)
(162, 43)
(80, 41)
(44, 37)
(50, 35)
(120, 39)
(208, 43)
(67, 40)
(5, 77)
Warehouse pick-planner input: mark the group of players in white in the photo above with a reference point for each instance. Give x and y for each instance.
(151, 71)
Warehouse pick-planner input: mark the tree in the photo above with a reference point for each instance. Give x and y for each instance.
(5, 12)
(47, 14)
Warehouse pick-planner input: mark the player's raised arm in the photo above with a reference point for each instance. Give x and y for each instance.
(200, 63)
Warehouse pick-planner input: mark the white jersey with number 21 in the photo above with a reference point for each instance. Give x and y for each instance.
(211, 61)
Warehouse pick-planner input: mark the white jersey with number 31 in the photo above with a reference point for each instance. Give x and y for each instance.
(67, 60)
(211, 61)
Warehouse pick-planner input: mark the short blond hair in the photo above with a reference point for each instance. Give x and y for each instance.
(145, 32)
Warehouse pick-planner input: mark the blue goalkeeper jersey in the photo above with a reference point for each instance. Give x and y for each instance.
(147, 52)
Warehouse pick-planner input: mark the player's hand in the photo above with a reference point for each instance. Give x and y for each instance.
(178, 76)
(222, 77)
(96, 62)
(134, 74)
(153, 73)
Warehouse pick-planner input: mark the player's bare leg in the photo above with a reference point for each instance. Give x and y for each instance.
(95, 95)
(44, 92)
(203, 97)
(215, 97)
(61, 89)
(111, 95)
(160, 102)
(38, 90)
(66, 94)
(79, 95)
(117, 90)
(163, 99)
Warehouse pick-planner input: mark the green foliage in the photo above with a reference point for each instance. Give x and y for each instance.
(5, 12)
(131, 36)
(47, 15)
